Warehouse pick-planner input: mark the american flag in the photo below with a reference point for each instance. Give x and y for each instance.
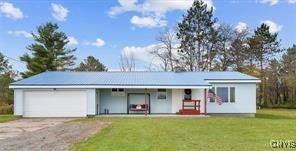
(212, 95)
(219, 100)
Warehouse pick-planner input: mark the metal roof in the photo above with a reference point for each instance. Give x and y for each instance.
(129, 78)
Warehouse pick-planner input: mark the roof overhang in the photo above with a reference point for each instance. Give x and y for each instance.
(108, 86)
(233, 81)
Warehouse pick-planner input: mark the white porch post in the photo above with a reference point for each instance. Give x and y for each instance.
(98, 102)
(91, 102)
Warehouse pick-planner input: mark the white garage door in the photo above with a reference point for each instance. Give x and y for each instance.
(55, 103)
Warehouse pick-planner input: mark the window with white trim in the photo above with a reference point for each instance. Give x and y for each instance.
(117, 92)
(161, 94)
(227, 94)
(232, 94)
(222, 92)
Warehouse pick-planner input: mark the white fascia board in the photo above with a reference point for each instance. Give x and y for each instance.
(233, 81)
(106, 86)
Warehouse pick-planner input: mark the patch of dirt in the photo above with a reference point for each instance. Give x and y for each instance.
(19, 127)
(55, 138)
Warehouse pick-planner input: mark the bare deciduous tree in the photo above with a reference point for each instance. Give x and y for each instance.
(166, 50)
(127, 62)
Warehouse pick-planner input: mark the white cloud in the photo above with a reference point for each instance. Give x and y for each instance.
(59, 12)
(292, 1)
(241, 26)
(209, 4)
(124, 6)
(273, 27)
(160, 8)
(153, 10)
(72, 41)
(216, 25)
(10, 11)
(170, 5)
(19, 33)
(148, 21)
(141, 53)
(270, 2)
(98, 43)
(157, 7)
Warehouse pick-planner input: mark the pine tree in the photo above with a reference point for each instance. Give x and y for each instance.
(198, 37)
(263, 45)
(289, 74)
(49, 52)
(4, 65)
(6, 77)
(224, 58)
(91, 64)
(239, 50)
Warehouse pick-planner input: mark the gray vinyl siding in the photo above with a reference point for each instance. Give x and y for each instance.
(118, 104)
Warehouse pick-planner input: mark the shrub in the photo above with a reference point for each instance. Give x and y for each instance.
(6, 109)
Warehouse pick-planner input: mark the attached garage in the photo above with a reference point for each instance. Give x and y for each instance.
(54, 103)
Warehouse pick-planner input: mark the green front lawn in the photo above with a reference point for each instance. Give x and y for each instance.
(214, 133)
(6, 117)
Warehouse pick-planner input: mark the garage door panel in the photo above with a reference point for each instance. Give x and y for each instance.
(70, 103)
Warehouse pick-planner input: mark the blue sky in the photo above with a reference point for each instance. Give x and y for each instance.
(105, 28)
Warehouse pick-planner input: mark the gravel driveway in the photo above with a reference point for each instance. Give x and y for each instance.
(45, 134)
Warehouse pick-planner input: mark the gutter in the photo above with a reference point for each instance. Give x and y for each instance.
(107, 86)
(232, 81)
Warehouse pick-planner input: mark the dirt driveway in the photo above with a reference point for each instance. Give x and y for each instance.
(45, 133)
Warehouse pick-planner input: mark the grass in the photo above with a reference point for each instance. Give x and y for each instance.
(214, 133)
(6, 117)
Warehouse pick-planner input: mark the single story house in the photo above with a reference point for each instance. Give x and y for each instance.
(81, 94)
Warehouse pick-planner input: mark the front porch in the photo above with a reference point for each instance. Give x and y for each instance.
(152, 102)
(153, 115)
(190, 107)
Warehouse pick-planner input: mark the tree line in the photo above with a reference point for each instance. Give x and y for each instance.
(198, 43)
(7, 76)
